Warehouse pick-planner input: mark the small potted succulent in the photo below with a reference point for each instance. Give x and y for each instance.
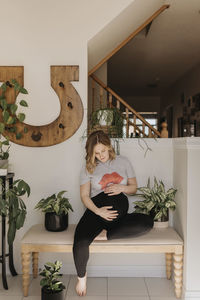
(56, 208)
(52, 287)
(157, 202)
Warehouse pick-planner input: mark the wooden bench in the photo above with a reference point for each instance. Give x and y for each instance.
(167, 241)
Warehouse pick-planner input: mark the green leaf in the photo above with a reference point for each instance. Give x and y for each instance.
(13, 108)
(148, 183)
(23, 103)
(3, 103)
(18, 136)
(6, 116)
(25, 129)
(21, 117)
(10, 120)
(11, 232)
(2, 127)
(23, 187)
(158, 215)
(61, 193)
(6, 142)
(20, 219)
(23, 90)
(3, 87)
(12, 129)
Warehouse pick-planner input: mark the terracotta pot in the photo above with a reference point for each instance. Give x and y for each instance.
(54, 222)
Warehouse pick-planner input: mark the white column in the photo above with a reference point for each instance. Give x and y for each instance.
(187, 215)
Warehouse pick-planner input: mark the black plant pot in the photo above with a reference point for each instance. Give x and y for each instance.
(54, 222)
(45, 295)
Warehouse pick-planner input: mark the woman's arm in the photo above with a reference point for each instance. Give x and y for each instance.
(115, 189)
(85, 197)
(105, 212)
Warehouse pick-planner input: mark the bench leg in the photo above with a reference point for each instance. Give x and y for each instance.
(168, 258)
(35, 263)
(26, 257)
(178, 273)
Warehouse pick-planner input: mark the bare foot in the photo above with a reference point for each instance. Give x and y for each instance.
(81, 286)
(102, 236)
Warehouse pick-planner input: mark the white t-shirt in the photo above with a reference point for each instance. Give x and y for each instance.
(116, 171)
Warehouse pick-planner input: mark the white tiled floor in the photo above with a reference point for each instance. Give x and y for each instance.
(97, 289)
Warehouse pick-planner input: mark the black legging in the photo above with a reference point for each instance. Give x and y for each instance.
(90, 225)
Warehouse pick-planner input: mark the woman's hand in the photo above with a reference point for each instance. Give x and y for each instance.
(106, 213)
(114, 189)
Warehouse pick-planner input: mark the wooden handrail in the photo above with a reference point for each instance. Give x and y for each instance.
(95, 78)
(134, 125)
(130, 37)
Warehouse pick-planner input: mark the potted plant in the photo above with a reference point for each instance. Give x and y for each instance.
(108, 119)
(13, 206)
(4, 154)
(157, 202)
(9, 116)
(52, 287)
(56, 208)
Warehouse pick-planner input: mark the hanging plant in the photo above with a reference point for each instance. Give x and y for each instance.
(109, 118)
(9, 114)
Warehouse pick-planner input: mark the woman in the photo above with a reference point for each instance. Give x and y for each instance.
(105, 181)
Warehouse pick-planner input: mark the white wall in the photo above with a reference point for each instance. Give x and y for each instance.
(186, 218)
(114, 33)
(38, 34)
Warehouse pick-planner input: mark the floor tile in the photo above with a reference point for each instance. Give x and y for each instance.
(14, 286)
(164, 298)
(128, 298)
(9, 297)
(32, 298)
(95, 286)
(127, 286)
(160, 287)
(86, 297)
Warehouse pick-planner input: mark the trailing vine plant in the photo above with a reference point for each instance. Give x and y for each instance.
(9, 115)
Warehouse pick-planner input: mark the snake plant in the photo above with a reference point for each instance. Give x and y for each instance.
(156, 200)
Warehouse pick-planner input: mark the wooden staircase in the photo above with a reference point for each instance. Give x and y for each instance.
(114, 100)
(131, 116)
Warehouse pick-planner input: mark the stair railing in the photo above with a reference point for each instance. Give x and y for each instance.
(114, 100)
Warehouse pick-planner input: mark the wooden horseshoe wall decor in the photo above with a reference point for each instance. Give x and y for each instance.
(71, 112)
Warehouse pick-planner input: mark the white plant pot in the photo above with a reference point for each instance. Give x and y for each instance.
(105, 117)
(3, 167)
(158, 224)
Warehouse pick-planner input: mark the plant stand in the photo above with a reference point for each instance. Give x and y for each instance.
(7, 178)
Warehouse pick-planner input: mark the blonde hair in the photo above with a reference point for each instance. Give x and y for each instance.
(97, 137)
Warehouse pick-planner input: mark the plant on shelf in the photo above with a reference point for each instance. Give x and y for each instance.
(108, 119)
(4, 154)
(157, 201)
(13, 206)
(56, 209)
(9, 117)
(52, 287)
